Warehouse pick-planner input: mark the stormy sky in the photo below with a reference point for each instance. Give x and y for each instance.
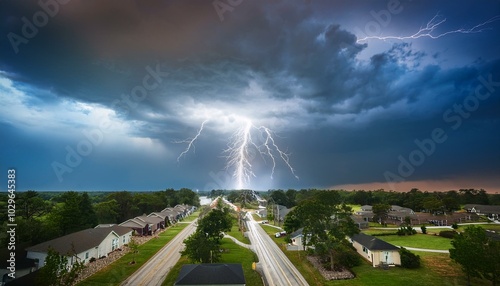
(105, 95)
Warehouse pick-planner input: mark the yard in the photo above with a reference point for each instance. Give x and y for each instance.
(427, 241)
(437, 268)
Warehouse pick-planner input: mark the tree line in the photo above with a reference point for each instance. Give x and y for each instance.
(415, 199)
(44, 216)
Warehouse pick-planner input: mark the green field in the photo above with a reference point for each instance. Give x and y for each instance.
(426, 241)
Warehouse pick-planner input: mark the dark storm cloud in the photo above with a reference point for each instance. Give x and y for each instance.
(345, 109)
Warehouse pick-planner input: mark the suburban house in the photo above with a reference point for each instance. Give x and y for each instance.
(297, 240)
(140, 227)
(211, 274)
(492, 212)
(155, 223)
(262, 213)
(399, 214)
(279, 212)
(396, 213)
(377, 251)
(360, 221)
(168, 216)
(83, 245)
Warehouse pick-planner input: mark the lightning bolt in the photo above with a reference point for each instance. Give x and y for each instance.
(190, 141)
(239, 151)
(431, 26)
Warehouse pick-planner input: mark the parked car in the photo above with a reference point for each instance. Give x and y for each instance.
(280, 234)
(264, 222)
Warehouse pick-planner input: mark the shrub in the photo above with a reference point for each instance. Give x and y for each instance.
(424, 229)
(406, 231)
(92, 259)
(454, 226)
(448, 233)
(408, 259)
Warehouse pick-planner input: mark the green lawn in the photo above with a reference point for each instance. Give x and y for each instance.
(120, 269)
(419, 241)
(238, 235)
(233, 253)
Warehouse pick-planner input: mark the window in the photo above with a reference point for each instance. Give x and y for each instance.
(365, 250)
(86, 255)
(114, 244)
(124, 239)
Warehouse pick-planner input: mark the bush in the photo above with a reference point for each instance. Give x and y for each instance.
(424, 229)
(448, 233)
(454, 226)
(349, 257)
(406, 231)
(408, 259)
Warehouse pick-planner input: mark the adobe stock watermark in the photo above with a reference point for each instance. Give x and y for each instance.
(381, 19)
(94, 137)
(454, 116)
(223, 6)
(30, 28)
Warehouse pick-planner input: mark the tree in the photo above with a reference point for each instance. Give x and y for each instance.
(292, 222)
(57, 271)
(470, 251)
(107, 212)
(134, 248)
(216, 222)
(327, 222)
(408, 259)
(380, 212)
(126, 205)
(30, 205)
(201, 248)
(433, 204)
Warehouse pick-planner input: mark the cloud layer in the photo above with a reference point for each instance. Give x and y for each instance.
(97, 96)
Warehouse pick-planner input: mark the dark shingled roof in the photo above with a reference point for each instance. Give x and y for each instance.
(78, 242)
(373, 243)
(211, 274)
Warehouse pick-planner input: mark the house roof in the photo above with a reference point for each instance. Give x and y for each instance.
(118, 229)
(76, 242)
(134, 223)
(372, 243)
(298, 232)
(150, 219)
(485, 209)
(211, 274)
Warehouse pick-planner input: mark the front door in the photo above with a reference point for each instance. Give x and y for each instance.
(387, 257)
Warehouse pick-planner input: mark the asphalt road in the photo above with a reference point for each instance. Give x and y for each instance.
(154, 271)
(276, 267)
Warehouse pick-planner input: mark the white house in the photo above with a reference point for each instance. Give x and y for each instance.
(83, 245)
(377, 251)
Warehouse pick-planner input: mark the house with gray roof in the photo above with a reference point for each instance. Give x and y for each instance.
(211, 274)
(140, 227)
(83, 245)
(377, 251)
(490, 211)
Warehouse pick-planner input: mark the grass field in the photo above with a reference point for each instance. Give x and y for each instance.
(419, 241)
(237, 234)
(120, 269)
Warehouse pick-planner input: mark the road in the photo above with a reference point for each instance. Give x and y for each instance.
(276, 267)
(154, 271)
